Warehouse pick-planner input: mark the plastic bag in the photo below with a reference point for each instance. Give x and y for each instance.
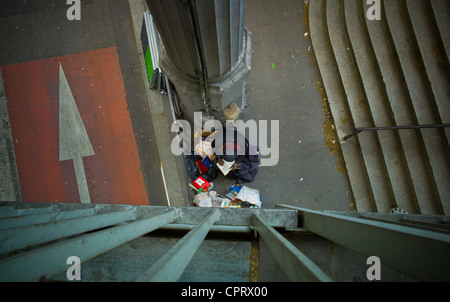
(210, 200)
(204, 149)
(217, 202)
(250, 195)
(204, 141)
(203, 200)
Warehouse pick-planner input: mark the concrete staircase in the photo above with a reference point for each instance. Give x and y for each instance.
(392, 72)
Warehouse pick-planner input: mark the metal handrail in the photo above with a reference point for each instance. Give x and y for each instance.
(359, 130)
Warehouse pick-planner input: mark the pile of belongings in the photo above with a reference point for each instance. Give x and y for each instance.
(237, 197)
(201, 160)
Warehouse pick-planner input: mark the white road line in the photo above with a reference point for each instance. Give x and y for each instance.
(74, 143)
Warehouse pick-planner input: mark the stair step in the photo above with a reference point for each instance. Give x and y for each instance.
(341, 113)
(373, 78)
(359, 107)
(441, 10)
(423, 198)
(436, 63)
(422, 100)
(379, 106)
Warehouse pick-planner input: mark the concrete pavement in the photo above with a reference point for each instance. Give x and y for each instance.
(285, 85)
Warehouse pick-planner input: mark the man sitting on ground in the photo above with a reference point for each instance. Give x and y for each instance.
(237, 153)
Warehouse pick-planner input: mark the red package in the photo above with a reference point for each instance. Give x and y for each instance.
(201, 183)
(201, 167)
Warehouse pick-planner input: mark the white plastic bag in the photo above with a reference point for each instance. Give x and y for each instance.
(204, 149)
(250, 195)
(203, 200)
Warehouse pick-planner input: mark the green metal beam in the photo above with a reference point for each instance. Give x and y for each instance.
(420, 254)
(281, 218)
(171, 266)
(51, 260)
(295, 264)
(12, 211)
(25, 220)
(21, 237)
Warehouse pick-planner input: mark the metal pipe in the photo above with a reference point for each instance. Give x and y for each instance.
(199, 43)
(171, 266)
(214, 228)
(25, 220)
(359, 130)
(295, 264)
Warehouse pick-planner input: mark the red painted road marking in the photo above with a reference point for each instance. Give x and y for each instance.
(32, 89)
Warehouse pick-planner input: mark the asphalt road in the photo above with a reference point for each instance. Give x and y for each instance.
(98, 56)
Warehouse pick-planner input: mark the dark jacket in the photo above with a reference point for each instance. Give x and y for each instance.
(246, 156)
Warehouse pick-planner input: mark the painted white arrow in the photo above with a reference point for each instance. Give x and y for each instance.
(74, 143)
